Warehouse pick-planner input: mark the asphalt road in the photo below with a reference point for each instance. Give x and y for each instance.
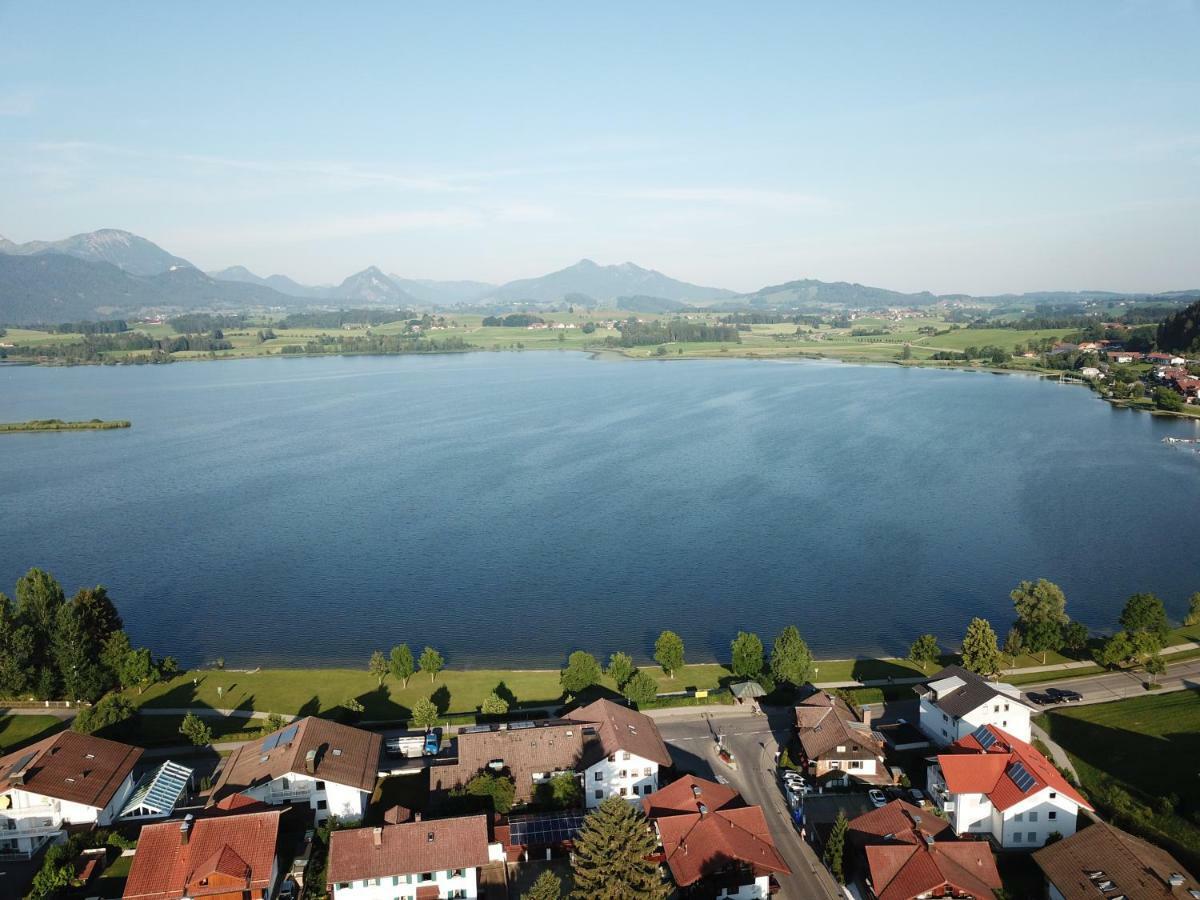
(753, 740)
(1120, 685)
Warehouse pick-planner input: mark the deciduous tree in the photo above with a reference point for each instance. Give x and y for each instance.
(379, 667)
(16, 651)
(791, 660)
(747, 652)
(612, 856)
(493, 705)
(1193, 613)
(1044, 635)
(1014, 644)
(1038, 601)
(1145, 613)
(581, 673)
(402, 664)
(641, 688)
(668, 652)
(1075, 636)
(621, 668)
(196, 730)
(432, 662)
(424, 714)
(924, 651)
(548, 885)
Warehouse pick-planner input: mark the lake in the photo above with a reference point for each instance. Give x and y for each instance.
(509, 507)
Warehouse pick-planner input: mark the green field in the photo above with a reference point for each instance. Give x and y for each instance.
(17, 731)
(60, 425)
(1137, 761)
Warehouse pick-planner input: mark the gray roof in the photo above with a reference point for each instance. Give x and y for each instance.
(974, 692)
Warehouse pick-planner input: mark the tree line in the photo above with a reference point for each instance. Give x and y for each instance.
(638, 334)
(338, 318)
(382, 344)
(513, 320)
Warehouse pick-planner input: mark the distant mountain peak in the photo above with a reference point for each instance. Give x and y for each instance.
(123, 249)
(605, 283)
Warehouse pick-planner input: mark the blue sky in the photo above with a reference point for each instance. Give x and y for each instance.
(942, 146)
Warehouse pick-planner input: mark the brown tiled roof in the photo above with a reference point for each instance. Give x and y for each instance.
(1137, 869)
(899, 821)
(696, 845)
(548, 746)
(79, 768)
(825, 722)
(623, 729)
(427, 846)
(687, 794)
(345, 755)
(905, 871)
(223, 854)
(974, 693)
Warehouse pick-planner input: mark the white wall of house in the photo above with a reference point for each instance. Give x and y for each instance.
(1000, 711)
(1027, 824)
(31, 819)
(758, 889)
(450, 883)
(621, 775)
(325, 798)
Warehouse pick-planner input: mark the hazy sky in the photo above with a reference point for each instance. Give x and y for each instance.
(952, 147)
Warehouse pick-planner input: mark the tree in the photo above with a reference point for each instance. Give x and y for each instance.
(1145, 613)
(979, 651)
(562, 791)
(424, 714)
(747, 652)
(640, 689)
(56, 873)
(1193, 613)
(581, 673)
(791, 660)
(612, 856)
(668, 652)
(432, 662)
(500, 789)
(621, 668)
(76, 656)
(196, 731)
(1038, 601)
(113, 716)
(379, 666)
(113, 653)
(16, 651)
(39, 598)
(1043, 636)
(138, 670)
(274, 722)
(493, 705)
(1167, 399)
(402, 664)
(1014, 644)
(548, 885)
(925, 650)
(835, 848)
(98, 612)
(1116, 650)
(1155, 667)
(1075, 636)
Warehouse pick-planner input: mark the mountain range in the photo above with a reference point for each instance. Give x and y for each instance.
(110, 272)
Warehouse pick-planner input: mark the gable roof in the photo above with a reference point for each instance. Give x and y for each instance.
(957, 691)
(1008, 771)
(344, 755)
(233, 852)
(78, 768)
(414, 847)
(825, 722)
(1139, 870)
(623, 729)
(686, 796)
(696, 845)
(898, 821)
(903, 871)
(550, 745)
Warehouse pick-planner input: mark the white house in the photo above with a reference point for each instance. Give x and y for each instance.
(329, 767)
(955, 702)
(990, 783)
(417, 860)
(67, 779)
(622, 752)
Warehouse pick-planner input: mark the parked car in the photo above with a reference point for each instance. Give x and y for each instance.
(1055, 695)
(876, 797)
(433, 743)
(918, 799)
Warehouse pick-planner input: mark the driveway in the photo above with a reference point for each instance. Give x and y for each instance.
(753, 740)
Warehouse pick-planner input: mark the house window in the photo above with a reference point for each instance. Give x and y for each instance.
(1032, 837)
(458, 894)
(612, 758)
(456, 873)
(599, 795)
(599, 776)
(1032, 816)
(622, 792)
(1053, 794)
(321, 804)
(835, 764)
(320, 785)
(1052, 815)
(425, 876)
(343, 886)
(945, 718)
(395, 880)
(1016, 837)
(1019, 817)
(1006, 707)
(856, 764)
(944, 733)
(647, 771)
(996, 708)
(1004, 724)
(624, 773)
(625, 756)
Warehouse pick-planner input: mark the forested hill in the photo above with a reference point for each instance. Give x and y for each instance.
(1180, 332)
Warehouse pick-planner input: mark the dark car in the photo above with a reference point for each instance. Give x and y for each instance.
(1055, 695)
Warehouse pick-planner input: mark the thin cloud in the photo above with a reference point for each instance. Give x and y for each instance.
(18, 103)
(731, 196)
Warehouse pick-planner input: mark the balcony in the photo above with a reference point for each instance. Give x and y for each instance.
(34, 821)
(288, 795)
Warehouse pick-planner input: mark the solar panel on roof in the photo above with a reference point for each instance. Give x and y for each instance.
(519, 725)
(271, 741)
(553, 828)
(985, 737)
(288, 734)
(1021, 777)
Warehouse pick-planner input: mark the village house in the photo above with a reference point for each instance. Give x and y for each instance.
(66, 780)
(423, 860)
(713, 844)
(329, 767)
(838, 745)
(906, 853)
(1104, 861)
(990, 783)
(224, 857)
(955, 702)
(1124, 356)
(617, 751)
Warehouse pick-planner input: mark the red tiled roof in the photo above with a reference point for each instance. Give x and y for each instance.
(697, 845)
(1137, 869)
(905, 871)
(79, 768)
(968, 769)
(239, 850)
(623, 729)
(685, 796)
(899, 821)
(414, 847)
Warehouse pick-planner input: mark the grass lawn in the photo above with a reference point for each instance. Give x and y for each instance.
(1147, 747)
(17, 731)
(313, 691)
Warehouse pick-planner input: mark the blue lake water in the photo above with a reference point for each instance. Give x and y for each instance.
(509, 507)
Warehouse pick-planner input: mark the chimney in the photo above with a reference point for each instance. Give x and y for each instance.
(310, 762)
(185, 830)
(866, 715)
(416, 817)
(377, 837)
